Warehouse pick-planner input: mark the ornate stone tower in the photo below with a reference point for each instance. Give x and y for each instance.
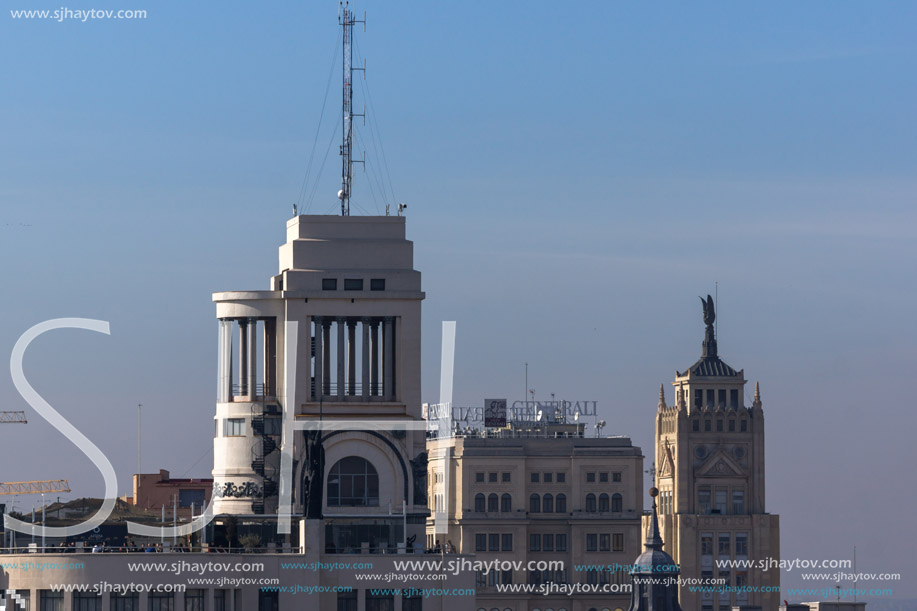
(709, 469)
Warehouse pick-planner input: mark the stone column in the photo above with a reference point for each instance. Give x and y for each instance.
(341, 324)
(326, 347)
(365, 372)
(252, 357)
(318, 348)
(351, 356)
(243, 356)
(374, 356)
(224, 381)
(389, 358)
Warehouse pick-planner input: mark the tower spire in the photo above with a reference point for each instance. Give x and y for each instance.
(661, 396)
(347, 20)
(653, 538)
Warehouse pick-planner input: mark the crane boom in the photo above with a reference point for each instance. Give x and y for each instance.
(36, 487)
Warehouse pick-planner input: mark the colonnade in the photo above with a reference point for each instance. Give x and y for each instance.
(244, 382)
(377, 358)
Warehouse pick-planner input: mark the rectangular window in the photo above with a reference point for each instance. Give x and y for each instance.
(548, 478)
(734, 398)
(592, 542)
(492, 478)
(741, 578)
(590, 477)
(706, 544)
(561, 478)
(719, 425)
(698, 397)
(738, 502)
(603, 477)
(411, 600)
(723, 545)
(506, 542)
(707, 425)
(131, 602)
(506, 478)
(732, 425)
(273, 426)
(744, 426)
(741, 544)
(353, 284)
(726, 577)
(380, 602)
(51, 601)
(534, 478)
(548, 543)
(616, 476)
(604, 542)
(534, 543)
(505, 577)
(711, 397)
(703, 500)
(480, 542)
(161, 601)
(329, 284)
(377, 284)
(560, 542)
(234, 427)
(479, 478)
(219, 601)
(493, 541)
(695, 425)
(721, 397)
(720, 501)
(189, 496)
(617, 542)
(194, 600)
(87, 601)
(480, 581)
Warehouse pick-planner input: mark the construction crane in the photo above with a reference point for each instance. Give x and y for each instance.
(37, 487)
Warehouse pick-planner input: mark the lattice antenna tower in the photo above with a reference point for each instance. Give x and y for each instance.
(347, 20)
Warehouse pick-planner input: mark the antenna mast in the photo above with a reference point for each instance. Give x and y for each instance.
(346, 19)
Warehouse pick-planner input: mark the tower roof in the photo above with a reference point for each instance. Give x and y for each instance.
(709, 364)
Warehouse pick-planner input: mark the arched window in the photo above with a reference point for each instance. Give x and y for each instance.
(534, 503)
(479, 503)
(590, 502)
(617, 503)
(547, 503)
(603, 502)
(561, 504)
(353, 482)
(506, 503)
(492, 503)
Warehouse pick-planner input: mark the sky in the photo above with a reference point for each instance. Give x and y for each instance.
(575, 175)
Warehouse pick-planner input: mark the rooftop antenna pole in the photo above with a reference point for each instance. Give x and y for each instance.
(139, 409)
(346, 19)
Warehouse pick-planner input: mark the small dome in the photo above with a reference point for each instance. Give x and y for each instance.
(655, 561)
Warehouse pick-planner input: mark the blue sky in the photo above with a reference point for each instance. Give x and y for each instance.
(575, 176)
